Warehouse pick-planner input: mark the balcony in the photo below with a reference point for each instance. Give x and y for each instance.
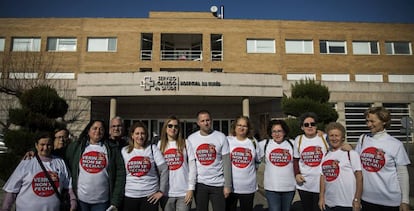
(181, 55)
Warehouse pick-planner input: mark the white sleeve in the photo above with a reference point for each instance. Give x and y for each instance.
(403, 179)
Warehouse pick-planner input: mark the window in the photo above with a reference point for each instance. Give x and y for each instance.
(368, 78)
(332, 47)
(401, 78)
(261, 46)
(146, 46)
(60, 76)
(23, 75)
(298, 77)
(299, 46)
(355, 120)
(26, 44)
(61, 44)
(397, 111)
(335, 77)
(1, 44)
(102, 44)
(365, 47)
(398, 48)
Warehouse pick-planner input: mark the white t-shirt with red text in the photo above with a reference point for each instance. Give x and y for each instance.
(93, 182)
(34, 191)
(380, 156)
(209, 151)
(310, 154)
(180, 179)
(142, 177)
(278, 160)
(340, 182)
(243, 157)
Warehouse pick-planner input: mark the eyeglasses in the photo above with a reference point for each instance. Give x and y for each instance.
(277, 131)
(242, 126)
(309, 124)
(172, 126)
(114, 126)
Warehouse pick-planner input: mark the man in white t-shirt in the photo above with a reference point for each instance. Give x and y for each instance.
(212, 155)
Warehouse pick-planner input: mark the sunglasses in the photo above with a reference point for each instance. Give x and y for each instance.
(310, 124)
(172, 126)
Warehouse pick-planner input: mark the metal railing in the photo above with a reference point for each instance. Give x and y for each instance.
(181, 55)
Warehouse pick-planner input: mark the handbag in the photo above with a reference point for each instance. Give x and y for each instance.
(63, 197)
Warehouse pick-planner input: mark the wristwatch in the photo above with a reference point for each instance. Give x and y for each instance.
(355, 199)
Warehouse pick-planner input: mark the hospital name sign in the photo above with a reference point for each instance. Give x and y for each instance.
(172, 83)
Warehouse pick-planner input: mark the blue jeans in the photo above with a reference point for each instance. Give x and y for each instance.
(279, 201)
(83, 206)
(175, 204)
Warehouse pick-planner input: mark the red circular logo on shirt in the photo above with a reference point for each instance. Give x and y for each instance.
(174, 158)
(330, 170)
(372, 159)
(41, 185)
(93, 162)
(312, 156)
(280, 157)
(139, 166)
(241, 157)
(206, 154)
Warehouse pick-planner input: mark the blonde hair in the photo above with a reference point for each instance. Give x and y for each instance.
(164, 139)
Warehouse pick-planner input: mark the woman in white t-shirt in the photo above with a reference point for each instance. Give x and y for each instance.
(244, 155)
(146, 171)
(308, 152)
(29, 185)
(341, 176)
(278, 158)
(384, 165)
(181, 164)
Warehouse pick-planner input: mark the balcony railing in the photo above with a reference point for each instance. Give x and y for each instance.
(216, 55)
(181, 55)
(146, 54)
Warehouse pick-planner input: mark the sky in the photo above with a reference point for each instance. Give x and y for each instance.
(389, 11)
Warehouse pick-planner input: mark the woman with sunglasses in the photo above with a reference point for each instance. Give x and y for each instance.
(182, 167)
(308, 152)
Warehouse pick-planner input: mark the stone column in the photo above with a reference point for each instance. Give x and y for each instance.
(112, 108)
(246, 108)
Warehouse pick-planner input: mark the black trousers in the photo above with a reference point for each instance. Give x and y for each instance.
(206, 193)
(246, 202)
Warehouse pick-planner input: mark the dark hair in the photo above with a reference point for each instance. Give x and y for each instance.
(280, 122)
(250, 132)
(203, 112)
(43, 134)
(131, 131)
(60, 129)
(83, 137)
(308, 115)
(382, 113)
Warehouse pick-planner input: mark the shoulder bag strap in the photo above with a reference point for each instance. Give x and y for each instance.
(48, 177)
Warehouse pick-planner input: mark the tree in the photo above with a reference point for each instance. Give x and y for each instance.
(40, 107)
(30, 102)
(308, 96)
(21, 71)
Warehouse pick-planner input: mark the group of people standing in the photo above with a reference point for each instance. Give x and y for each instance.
(113, 172)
